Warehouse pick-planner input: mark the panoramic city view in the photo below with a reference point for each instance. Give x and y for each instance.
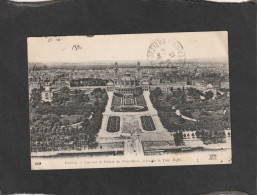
(129, 100)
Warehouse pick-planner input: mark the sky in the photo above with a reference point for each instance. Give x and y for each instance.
(123, 47)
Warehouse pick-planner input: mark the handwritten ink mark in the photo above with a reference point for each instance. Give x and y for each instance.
(58, 39)
(35, 67)
(55, 39)
(76, 47)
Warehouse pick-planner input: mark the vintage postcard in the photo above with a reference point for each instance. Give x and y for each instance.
(129, 100)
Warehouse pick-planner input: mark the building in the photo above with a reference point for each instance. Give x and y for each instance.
(209, 87)
(34, 82)
(62, 82)
(145, 86)
(110, 86)
(224, 85)
(47, 94)
(155, 81)
(128, 84)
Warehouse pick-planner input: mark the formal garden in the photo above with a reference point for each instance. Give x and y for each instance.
(128, 103)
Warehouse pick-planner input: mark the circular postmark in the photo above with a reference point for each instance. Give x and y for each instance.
(166, 52)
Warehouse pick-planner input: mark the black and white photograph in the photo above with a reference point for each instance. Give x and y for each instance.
(129, 100)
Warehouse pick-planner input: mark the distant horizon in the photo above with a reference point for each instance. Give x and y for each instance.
(142, 62)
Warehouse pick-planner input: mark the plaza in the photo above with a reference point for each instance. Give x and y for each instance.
(133, 127)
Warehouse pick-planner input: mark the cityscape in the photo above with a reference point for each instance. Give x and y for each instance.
(133, 111)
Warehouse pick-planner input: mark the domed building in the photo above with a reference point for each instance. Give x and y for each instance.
(127, 84)
(209, 86)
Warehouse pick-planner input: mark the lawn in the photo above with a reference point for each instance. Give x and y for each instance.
(116, 101)
(141, 100)
(196, 115)
(147, 123)
(113, 124)
(71, 119)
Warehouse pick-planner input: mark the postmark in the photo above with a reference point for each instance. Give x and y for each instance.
(166, 52)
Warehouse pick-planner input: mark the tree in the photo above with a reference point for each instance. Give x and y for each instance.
(183, 98)
(66, 122)
(157, 92)
(97, 90)
(208, 95)
(35, 97)
(187, 113)
(85, 124)
(181, 120)
(154, 100)
(87, 113)
(65, 90)
(178, 138)
(174, 100)
(168, 97)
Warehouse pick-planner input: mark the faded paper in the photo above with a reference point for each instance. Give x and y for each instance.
(130, 100)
